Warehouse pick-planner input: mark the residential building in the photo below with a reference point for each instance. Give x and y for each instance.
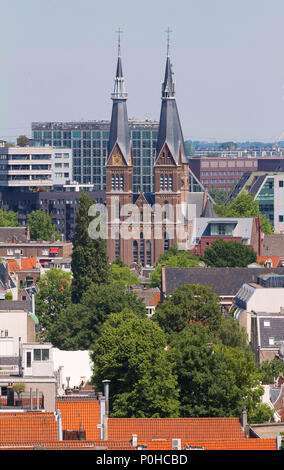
(44, 251)
(205, 230)
(61, 202)
(272, 250)
(259, 308)
(34, 167)
(225, 282)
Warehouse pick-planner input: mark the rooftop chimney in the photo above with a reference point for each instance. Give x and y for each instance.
(106, 383)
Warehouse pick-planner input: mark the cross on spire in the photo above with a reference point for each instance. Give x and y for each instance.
(168, 31)
(119, 31)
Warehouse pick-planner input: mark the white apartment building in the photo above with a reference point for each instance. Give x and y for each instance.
(27, 167)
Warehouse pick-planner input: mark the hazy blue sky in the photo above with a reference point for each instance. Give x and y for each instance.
(58, 61)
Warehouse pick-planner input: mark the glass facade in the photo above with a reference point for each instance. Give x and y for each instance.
(265, 200)
(89, 142)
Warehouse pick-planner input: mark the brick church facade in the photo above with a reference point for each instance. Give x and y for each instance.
(142, 226)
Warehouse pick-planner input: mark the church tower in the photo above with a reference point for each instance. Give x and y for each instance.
(171, 166)
(118, 167)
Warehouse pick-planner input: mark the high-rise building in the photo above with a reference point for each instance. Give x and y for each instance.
(89, 141)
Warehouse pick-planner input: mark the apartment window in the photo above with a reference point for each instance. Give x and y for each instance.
(281, 184)
(281, 218)
(271, 341)
(267, 323)
(41, 354)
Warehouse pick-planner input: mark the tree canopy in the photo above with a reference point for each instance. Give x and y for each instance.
(123, 275)
(131, 353)
(53, 298)
(215, 380)
(230, 253)
(174, 258)
(40, 225)
(89, 258)
(78, 326)
(189, 303)
(8, 218)
(23, 141)
(243, 205)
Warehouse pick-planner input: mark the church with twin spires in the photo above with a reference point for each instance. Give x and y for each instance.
(161, 218)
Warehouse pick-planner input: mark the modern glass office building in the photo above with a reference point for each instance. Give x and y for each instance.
(89, 141)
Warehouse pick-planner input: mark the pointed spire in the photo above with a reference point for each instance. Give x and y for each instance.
(170, 131)
(119, 129)
(119, 89)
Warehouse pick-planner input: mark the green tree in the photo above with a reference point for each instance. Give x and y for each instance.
(219, 195)
(243, 205)
(173, 258)
(89, 258)
(234, 254)
(123, 275)
(231, 334)
(214, 380)
(9, 296)
(40, 224)
(79, 325)
(189, 303)
(131, 353)
(53, 298)
(269, 370)
(8, 218)
(23, 141)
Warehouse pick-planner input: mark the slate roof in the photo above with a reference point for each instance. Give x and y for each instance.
(224, 281)
(275, 330)
(170, 131)
(119, 130)
(12, 285)
(7, 233)
(257, 184)
(272, 244)
(6, 305)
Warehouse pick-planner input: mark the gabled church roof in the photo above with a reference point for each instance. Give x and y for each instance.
(170, 131)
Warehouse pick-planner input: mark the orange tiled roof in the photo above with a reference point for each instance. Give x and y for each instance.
(24, 427)
(26, 264)
(86, 413)
(170, 428)
(274, 259)
(217, 444)
(68, 445)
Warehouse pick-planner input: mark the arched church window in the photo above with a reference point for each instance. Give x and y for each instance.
(117, 245)
(121, 182)
(142, 250)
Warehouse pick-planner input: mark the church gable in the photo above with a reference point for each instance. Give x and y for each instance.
(165, 157)
(116, 157)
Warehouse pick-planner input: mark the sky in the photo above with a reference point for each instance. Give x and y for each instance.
(58, 60)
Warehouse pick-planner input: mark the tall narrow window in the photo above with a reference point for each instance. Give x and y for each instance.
(112, 182)
(121, 182)
(171, 182)
(135, 252)
(166, 182)
(166, 242)
(117, 245)
(117, 182)
(148, 253)
(161, 182)
(142, 250)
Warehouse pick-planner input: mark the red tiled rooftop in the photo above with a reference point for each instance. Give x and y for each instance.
(26, 264)
(22, 427)
(171, 428)
(85, 413)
